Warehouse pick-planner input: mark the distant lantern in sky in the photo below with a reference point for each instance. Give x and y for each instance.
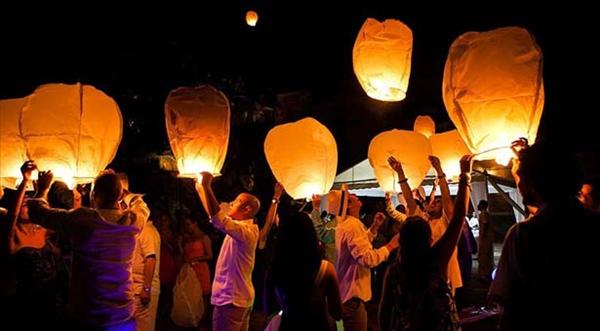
(411, 148)
(425, 126)
(382, 57)
(493, 89)
(12, 146)
(449, 147)
(251, 18)
(303, 157)
(73, 130)
(197, 120)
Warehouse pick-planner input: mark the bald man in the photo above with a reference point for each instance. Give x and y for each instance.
(232, 290)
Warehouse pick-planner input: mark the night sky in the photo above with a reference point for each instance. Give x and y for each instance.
(138, 55)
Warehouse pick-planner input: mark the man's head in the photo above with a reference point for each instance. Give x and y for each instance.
(547, 175)
(354, 205)
(244, 207)
(482, 205)
(434, 209)
(107, 191)
(124, 180)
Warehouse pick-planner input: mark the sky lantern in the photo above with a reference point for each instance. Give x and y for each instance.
(425, 126)
(251, 18)
(197, 120)
(12, 146)
(381, 58)
(73, 130)
(410, 148)
(303, 157)
(449, 147)
(493, 89)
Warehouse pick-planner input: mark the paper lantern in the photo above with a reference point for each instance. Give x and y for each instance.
(449, 148)
(424, 125)
(303, 157)
(410, 148)
(73, 130)
(251, 18)
(381, 58)
(197, 120)
(13, 151)
(493, 89)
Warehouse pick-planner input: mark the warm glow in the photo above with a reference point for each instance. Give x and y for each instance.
(503, 156)
(425, 126)
(493, 89)
(251, 18)
(308, 189)
(73, 130)
(12, 146)
(382, 58)
(449, 148)
(303, 157)
(192, 167)
(197, 120)
(66, 176)
(411, 148)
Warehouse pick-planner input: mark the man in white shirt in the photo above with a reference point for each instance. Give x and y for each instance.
(146, 282)
(146, 263)
(232, 290)
(355, 257)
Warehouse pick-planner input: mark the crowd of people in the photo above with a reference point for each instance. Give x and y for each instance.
(108, 261)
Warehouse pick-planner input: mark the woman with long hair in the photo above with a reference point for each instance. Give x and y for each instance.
(416, 294)
(305, 285)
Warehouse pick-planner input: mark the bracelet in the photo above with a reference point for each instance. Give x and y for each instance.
(443, 175)
(403, 181)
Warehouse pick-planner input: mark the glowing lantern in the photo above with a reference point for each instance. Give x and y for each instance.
(411, 148)
(381, 58)
(197, 121)
(303, 157)
(449, 148)
(12, 146)
(424, 125)
(251, 18)
(493, 89)
(73, 130)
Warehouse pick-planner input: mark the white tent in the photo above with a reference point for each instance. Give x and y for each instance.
(361, 181)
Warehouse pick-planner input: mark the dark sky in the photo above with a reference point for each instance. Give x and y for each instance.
(137, 56)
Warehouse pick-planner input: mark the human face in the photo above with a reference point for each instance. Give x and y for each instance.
(354, 205)
(238, 209)
(434, 209)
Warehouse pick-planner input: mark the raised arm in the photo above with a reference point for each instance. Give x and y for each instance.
(433, 191)
(391, 211)
(207, 196)
(447, 203)
(271, 214)
(26, 170)
(444, 247)
(39, 210)
(411, 205)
